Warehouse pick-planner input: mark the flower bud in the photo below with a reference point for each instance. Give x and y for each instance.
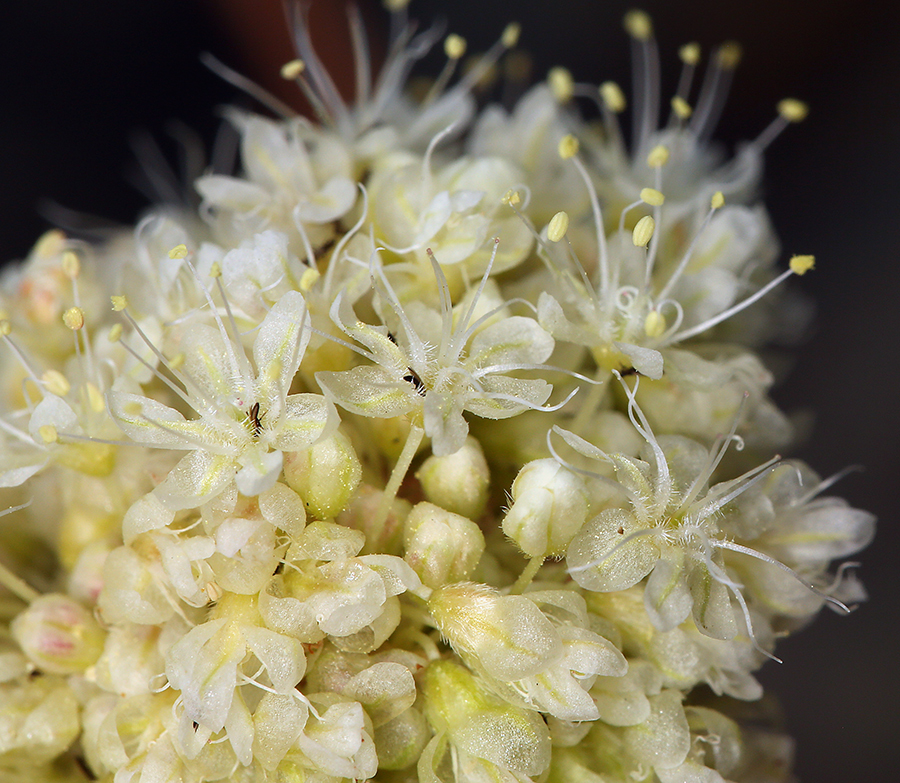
(550, 504)
(385, 538)
(400, 741)
(325, 475)
(442, 547)
(482, 724)
(39, 720)
(58, 634)
(505, 635)
(458, 482)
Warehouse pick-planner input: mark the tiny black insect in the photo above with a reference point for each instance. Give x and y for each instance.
(256, 420)
(413, 378)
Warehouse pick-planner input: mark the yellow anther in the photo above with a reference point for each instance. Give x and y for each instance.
(511, 198)
(690, 53)
(681, 108)
(74, 318)
(5, 328)
(56, 383)
(51, 243)
(454, 46)
(613, 97)
(652, 197)
(638, 25)
(510, 35)
(658, 157)
(561, 83)
(800, 265)
(176, 361)
(793, 110)
(643, 231)
(95, 398)
(568, 147)
(179, 251)
(291, 70)
(115, 334)
(729, 55)
(308, 279)
(558, 226)
(718, 200)
(70, 264)
(48, 433)
(119, 303)
(654, 324)
(215, 270)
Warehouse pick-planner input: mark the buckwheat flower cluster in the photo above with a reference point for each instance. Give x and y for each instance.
(435, 446)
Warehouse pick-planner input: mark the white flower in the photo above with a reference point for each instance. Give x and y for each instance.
(440, 364)
(247, 418)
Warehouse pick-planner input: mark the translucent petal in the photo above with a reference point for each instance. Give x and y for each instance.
(151, 423)
(306, 419)
(368, 391)
(514, 340)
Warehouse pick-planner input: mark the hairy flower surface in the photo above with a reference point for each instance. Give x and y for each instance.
(295, 509)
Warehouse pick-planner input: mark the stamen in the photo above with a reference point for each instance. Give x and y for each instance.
(645, 77)
(790, 110)
(714, 92)
(251, 88)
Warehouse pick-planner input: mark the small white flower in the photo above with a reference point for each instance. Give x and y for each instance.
(247, 418)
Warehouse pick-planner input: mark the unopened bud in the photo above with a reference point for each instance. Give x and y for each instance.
(325, 475)
(458, 482)
(58, 634)
(550, 504)
(442, 547)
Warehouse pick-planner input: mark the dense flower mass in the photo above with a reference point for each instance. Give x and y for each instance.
(435, 446)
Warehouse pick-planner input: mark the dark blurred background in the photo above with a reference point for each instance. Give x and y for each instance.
(77, 80)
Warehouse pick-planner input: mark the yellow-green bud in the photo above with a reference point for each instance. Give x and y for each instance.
(325, 475)
(401, 741)
(458, 482)
(442, 547)
(387, 538)
(58, 634)
(482, 724)
(550, 504)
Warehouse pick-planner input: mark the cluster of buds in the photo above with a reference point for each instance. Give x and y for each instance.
(434, 445)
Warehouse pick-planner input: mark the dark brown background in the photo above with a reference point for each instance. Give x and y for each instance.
(77, 78)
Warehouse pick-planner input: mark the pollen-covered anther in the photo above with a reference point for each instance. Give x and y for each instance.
(56, 383)
(511, 198)
(71, 264)
(643, 231)
(48, 433)
(215, 270)
(717, 201)
(561, 83)
(5, 327)
(681, 108)
(308, 279)
(792, 110)
(613, 98)
(568, 147)
(454, 46)
(292, 69)
(655, 324)
(510, 36)
(638, 25)
(658, 157)
(800, 265)
(179, 251)
(119, 303)
(689, 54)
(73, 318)
(729, 55)
(653, 197)
(558, 226)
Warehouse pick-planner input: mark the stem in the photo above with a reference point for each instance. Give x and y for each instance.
(17, 586)
(413, 441)
(528, 573)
